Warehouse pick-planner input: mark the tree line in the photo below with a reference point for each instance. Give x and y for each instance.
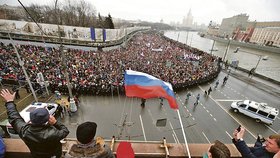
(67, 12)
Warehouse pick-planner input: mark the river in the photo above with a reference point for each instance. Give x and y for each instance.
(269, 68)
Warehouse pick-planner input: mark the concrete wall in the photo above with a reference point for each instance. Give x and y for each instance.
(70, 32)
(249, 45)
(15, 148)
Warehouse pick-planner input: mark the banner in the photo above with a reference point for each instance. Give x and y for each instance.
(92, 33)
(104, 35)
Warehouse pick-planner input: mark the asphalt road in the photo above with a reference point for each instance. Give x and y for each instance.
(212, 119)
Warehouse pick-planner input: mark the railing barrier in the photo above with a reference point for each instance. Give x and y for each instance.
(15, 148)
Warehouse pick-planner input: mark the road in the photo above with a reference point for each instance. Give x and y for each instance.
(212, 119)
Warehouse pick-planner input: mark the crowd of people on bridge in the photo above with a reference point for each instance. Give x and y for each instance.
(101, 72)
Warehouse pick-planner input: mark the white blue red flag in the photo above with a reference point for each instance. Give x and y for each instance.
(142, 85)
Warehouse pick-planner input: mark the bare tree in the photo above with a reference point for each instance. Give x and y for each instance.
(35, 11)
(67, 12)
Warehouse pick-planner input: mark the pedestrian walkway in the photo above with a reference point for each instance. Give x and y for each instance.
(257, 81)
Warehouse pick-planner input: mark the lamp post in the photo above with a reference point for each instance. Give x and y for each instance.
(227, 48)
(212, 47)
(260, 56)
(73, 107)
(187, 37)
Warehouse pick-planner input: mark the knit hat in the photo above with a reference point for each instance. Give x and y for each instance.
(86, 132)
(39, 116)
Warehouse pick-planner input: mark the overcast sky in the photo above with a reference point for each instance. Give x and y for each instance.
(174, 10)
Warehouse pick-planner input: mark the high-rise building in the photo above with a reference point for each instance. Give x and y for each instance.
(188, 21)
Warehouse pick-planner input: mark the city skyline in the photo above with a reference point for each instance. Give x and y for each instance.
(175, 11)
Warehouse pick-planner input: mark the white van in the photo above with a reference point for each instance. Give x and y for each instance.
(261, 112)
(51, 107)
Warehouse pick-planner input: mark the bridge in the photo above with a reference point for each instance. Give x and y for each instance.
(151, 148)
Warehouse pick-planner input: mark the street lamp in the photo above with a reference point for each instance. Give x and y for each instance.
(212, 49)
(227, 48)
(260, 56)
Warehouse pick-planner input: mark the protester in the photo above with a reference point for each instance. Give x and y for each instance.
(188, 95)
(197, 99)
(42, 135)
(161, 101)
(216, 84)
(143, 102)
(209, 90)
(205, 93)
(225, 80)
(268, 150)
(87, 146)
(217, 150)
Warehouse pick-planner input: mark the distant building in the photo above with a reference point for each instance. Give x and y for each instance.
(188, 21)
(242, 35)
(213, 29)
(263, 33)
(266, 33)
(229, 25)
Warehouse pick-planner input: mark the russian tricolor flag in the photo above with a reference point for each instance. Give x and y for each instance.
(142, 85)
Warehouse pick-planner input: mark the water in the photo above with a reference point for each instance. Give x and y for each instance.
(269, 68)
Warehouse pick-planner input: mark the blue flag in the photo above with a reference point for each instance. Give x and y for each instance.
(104, 35)
(92, 33)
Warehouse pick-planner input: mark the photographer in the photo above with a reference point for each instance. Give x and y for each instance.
(269, 148)
(42, 135)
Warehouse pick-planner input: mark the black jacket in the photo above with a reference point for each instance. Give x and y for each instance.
(43, 140)
(251, 152)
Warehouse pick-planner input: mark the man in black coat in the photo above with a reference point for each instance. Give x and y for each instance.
(42, 135)
(265, 150)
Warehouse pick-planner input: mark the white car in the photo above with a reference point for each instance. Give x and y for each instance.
(261, 112)
(51, 107)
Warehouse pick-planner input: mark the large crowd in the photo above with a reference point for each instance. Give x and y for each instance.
(97, 72)
(101, 72)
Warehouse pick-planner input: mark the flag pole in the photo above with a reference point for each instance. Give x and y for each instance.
(187, 147)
